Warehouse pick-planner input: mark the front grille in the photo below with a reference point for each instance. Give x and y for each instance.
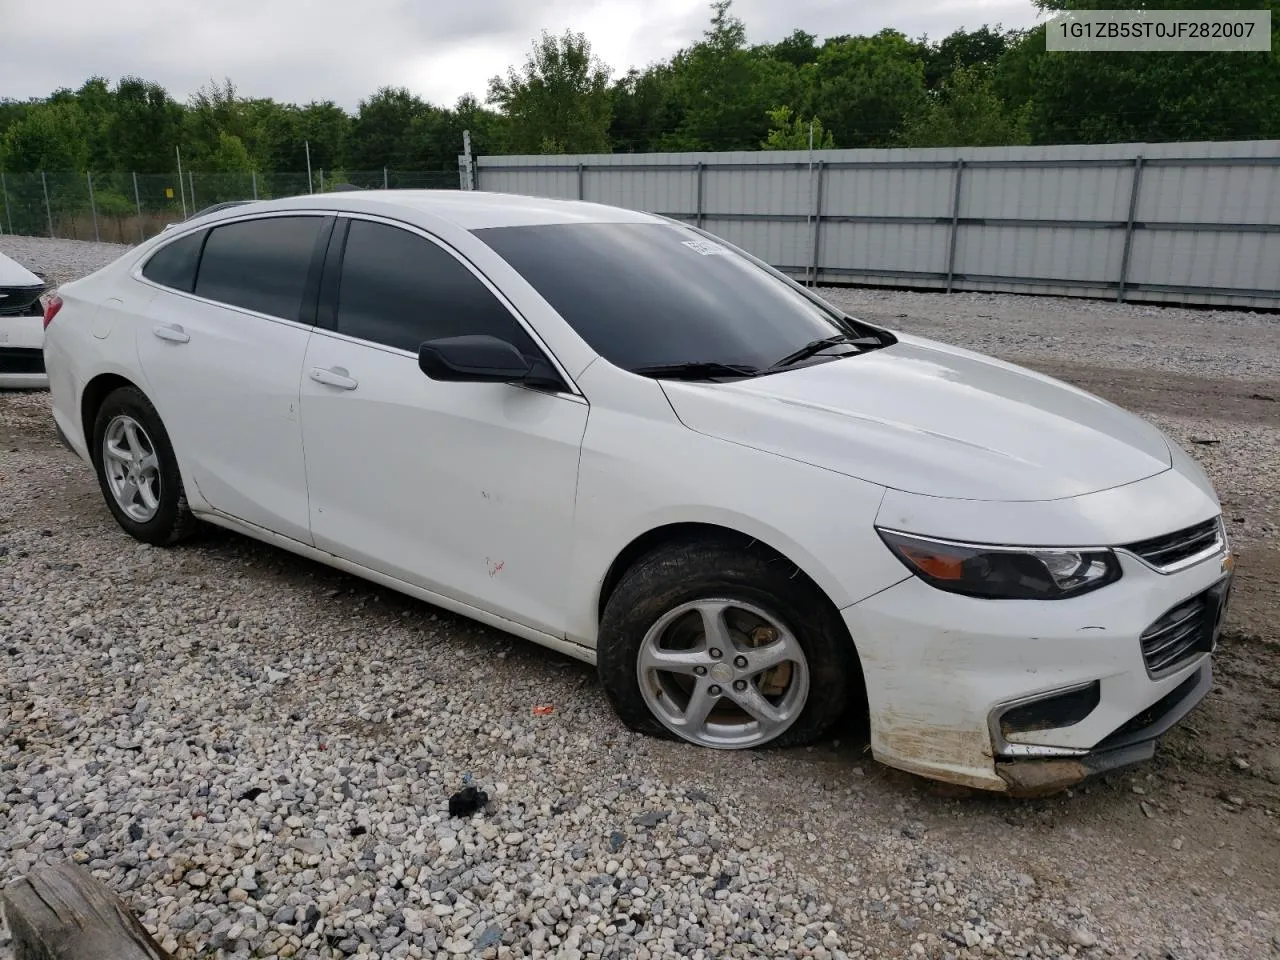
(21, 360)
(1184, 632)
(1172, 548)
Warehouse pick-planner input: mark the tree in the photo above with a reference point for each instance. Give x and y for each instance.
(786, 133)
(50, 136)
(964, 49)
(725, 88)
(144, 127)
(646, 106)
(558, 101)
(797, 49)
(966, 112)
(867, 87)
(379, 136)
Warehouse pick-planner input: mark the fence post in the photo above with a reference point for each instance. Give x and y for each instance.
(191, 182)
(254, 174)
(698, 167)
(182, 190)
(468, 178)
(817, 221)
(384, 179)
(8, 210)
(1128, 228)
(955, 224)
(93, 208)
(48, 211)
(580, 169)
(137, 203)
(311, 187)
(321, 171)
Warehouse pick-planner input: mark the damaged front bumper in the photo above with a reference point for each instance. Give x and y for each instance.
(1032, 770)
(1028, 698)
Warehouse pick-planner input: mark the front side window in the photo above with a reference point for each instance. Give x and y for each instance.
(399, 289)
(260, 265)
(174, 264)
(647, 295)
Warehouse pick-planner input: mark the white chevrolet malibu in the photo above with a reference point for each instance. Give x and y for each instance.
(618, 436)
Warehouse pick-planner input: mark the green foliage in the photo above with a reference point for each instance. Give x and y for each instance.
(558, 102)
(725, 88)
(49, 136)
(230, 156)
(787, 133)
(112, 203)
(967, 112)
(867, 87)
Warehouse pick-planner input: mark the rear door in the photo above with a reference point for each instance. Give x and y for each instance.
(466, 489)
(222, 351)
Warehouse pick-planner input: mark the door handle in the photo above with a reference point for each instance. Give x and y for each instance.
(334, 377)
(171, 331)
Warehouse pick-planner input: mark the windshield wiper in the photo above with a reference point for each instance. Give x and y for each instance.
(696, 370)
(814, 347)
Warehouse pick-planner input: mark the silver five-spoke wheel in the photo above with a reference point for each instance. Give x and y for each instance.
(722, 673)
(132, 468)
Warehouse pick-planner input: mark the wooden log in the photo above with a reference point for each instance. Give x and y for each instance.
(62, 913)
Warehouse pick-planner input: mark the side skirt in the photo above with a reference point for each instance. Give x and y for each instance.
(559, 644)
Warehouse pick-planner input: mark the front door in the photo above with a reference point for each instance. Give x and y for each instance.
(466, 489)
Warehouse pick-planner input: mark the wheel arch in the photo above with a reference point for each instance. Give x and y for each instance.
(677, 532)
(92, 396)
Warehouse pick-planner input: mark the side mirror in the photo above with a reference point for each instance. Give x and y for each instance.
(478, 359)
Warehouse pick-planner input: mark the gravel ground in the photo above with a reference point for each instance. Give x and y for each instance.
(257, 752)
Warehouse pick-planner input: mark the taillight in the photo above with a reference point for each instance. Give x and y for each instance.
(51, 309)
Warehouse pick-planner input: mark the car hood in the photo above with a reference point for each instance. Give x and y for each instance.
(931, 419)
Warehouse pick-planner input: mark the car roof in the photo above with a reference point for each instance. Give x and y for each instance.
(466, 209)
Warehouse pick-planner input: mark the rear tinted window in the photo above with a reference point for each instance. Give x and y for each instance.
(174, 264)
(649, 293)
(399, 289)
(260, 265)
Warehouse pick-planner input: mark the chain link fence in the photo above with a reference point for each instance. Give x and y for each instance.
(130, 207)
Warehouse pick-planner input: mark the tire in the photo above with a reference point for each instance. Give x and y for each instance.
(168, 520)
(691, 572)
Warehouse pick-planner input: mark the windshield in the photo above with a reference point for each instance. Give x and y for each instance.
(654, 295)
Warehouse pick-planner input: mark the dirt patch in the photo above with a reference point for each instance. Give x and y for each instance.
(1168, 392)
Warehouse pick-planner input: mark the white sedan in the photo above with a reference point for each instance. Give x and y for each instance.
(615, 435)
(21, 328)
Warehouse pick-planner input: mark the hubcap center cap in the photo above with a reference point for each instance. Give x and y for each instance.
(722, 673)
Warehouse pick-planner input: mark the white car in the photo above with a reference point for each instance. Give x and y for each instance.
(615, 435)
(21, 328)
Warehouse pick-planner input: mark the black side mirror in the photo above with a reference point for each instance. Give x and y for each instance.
(478, 359)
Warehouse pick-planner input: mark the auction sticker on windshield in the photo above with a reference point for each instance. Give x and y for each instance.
(705, 247)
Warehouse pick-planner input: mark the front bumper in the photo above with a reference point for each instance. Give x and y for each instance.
(1133, 742)
(941, 670)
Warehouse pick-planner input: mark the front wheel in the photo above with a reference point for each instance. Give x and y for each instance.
(724, 647)
(137, 469)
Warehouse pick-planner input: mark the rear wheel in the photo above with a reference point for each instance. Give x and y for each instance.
(137, 469)
(724, 647)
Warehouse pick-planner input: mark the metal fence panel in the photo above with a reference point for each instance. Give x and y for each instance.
(1195, 223)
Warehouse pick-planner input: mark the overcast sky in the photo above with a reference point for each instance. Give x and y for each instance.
(303, 50)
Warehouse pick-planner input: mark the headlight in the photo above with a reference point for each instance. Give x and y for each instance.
(1003, 573)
